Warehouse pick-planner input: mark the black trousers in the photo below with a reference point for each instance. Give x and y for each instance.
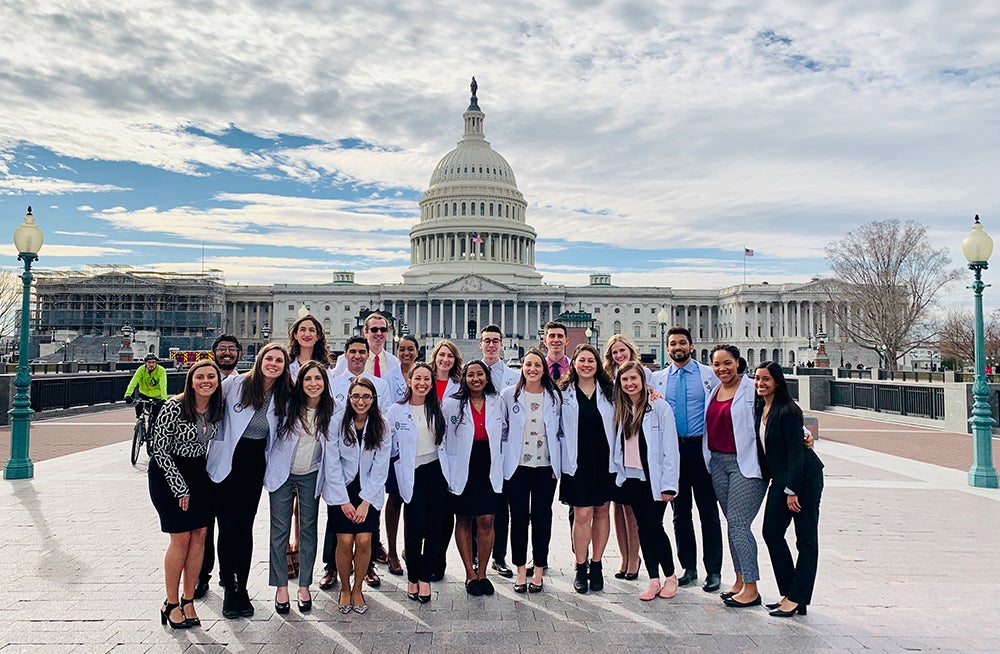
(795, 580)
(501, 528)
(653, 540)
(696, 481)
(422, 517)
(447, 530)
(238, 496)
(209, 561)
(530, 492)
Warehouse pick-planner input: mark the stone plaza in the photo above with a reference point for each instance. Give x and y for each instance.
(905, 551)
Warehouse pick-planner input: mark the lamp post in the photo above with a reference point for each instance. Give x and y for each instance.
(28, 239)
(265, 332)
(977, 248)
(663, 317)
(589, 334)
(66, 349)
(104, 347)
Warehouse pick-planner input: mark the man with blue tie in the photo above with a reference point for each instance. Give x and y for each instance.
(685, 384)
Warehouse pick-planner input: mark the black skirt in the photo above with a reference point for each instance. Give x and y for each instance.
(339, 521)
(594, 490)
(172, 519)
(478, 497)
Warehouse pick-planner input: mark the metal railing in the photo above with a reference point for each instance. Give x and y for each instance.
(76, 390)
(919, 401)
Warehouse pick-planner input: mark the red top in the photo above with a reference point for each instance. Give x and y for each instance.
(440, 385)
(719, 426)
(479, 423)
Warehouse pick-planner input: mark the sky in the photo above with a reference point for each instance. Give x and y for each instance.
(282, 141)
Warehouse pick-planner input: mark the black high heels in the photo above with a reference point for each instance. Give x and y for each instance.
(798, 610)
(195, 621)
(632, 576)
(165, 616)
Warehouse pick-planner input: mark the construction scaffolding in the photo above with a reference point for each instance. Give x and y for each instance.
(100, 299)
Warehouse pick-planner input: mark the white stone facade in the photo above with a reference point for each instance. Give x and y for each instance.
(472, 263)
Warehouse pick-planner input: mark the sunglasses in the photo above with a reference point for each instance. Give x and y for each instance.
(378, 329)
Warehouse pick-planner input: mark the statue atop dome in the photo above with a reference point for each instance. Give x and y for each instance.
(474, 101)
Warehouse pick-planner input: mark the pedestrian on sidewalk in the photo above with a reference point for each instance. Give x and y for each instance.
(474, 418)
(647, 465)
(356, 453)
(588, 415)
(730, 452)
(796, 475)
(293, 461)
(255, 403)
(179, 485)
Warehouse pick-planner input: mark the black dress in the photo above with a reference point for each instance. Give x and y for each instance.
(177, 468)
(592, 484)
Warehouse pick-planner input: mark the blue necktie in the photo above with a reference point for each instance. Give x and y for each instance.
(680, 403)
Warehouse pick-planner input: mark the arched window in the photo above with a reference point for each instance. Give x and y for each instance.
(482, 208)
(463, 208)
(491, 208)
(472, 208)
(446, 209)
(617, 327)
(454, 208)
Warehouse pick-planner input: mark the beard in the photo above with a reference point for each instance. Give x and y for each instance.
(680, 358)
(226, 366)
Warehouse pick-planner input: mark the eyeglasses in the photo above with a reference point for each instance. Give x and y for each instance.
(378, 329)
(227, 348)
(490, 341)
(361, 398)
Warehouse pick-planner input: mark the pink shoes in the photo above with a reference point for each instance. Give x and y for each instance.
(666, 590)
(652, 591)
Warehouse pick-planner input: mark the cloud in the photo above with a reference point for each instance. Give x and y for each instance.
(83, 234)
(20, 185)
(164, 244)
(90, 253)
(648, 126)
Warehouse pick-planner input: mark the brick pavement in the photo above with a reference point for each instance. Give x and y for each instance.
(906, 549)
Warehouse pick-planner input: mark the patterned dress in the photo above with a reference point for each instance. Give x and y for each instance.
(177, 469)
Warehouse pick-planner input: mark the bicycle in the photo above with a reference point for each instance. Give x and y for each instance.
(141, 431)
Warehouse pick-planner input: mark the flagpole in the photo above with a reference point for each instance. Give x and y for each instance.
(744, 265)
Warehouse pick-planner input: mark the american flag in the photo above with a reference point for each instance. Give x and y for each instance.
(476, 238)
(747, 252)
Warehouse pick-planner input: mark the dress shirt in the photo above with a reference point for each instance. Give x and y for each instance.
(692, 395)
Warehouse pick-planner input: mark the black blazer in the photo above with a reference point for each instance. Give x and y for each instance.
(785, 458)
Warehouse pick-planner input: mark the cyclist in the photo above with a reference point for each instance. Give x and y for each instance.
(151, 380)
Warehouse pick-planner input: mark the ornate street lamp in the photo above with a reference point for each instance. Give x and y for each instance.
(28, 239)
(589, 334)
(977, 247)
(663, 317)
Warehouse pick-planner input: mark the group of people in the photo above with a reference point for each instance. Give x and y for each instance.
(472, 451)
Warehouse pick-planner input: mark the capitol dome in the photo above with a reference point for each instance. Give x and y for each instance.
(472, 217)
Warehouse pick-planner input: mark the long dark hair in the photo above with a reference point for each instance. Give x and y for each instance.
(604, 383)
(320, 351)
(252, 394)
(782, 402)
(463, 393)
(298, 403)
(628, 420)
(432, 406)
(374, 426)
(216, 406)
(548, 385)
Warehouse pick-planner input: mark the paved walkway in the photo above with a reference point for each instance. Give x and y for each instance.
(907, 564)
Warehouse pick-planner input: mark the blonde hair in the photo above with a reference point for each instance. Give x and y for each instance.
(609, 363)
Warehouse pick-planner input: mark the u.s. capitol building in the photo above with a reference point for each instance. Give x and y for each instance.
(472, 263)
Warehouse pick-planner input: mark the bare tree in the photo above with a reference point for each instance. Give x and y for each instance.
(889, 275)
(10, 302)
(955, 335)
